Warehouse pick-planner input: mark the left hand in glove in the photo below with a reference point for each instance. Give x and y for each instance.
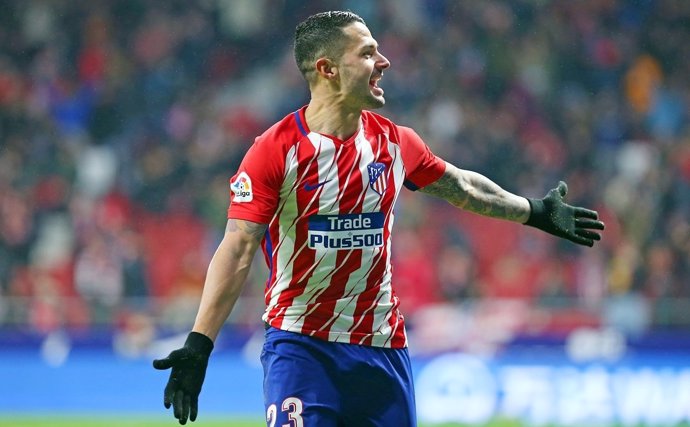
(554, 216)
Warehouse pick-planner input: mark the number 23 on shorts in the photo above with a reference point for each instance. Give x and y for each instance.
(293, 407)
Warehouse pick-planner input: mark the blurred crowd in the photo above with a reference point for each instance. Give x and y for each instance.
(121, 122)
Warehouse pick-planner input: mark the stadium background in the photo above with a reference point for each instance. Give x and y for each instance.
(121, 122)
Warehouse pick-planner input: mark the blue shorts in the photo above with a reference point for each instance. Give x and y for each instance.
(309, 382)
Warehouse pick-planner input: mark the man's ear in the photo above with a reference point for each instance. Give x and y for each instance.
(326, 68)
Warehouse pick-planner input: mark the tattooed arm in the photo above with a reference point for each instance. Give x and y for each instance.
(226, 274)
(476, 193)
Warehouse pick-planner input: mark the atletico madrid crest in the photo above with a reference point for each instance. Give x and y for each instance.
(377, 177)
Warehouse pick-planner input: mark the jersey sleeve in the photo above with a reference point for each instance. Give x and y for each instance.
(421, 165)
(255, 188)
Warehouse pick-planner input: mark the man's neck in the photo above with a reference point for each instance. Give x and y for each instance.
(329, 117)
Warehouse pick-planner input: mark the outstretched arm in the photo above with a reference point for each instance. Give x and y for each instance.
(476, 193)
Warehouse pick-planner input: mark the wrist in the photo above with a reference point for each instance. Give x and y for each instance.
(199, 342)
(536, 213)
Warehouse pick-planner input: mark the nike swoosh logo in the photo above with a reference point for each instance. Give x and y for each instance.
(308, 187)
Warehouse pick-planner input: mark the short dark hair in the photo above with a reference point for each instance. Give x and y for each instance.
(320, 35)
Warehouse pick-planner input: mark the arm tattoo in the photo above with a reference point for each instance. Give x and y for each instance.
(252, 228)
(448, 188)
(476, 193)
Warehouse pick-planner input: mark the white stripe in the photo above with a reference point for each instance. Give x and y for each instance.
(288, 222)
(327, 194)
(383, 313)
(358, 279)
(285, 214)
(345, 307)
(285, 251)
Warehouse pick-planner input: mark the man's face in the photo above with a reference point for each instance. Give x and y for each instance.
(361, 67)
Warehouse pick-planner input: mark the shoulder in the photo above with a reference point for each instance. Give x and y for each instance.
(283, 134)
(375, 123)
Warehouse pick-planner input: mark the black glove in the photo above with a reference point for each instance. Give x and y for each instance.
(188, 371)
(552, 215)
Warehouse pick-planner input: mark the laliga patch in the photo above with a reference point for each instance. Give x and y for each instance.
(377, 178)
(242, 187)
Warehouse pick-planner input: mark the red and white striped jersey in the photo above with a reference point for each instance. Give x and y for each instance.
(329, 204)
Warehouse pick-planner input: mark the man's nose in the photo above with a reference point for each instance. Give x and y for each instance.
(383, 62)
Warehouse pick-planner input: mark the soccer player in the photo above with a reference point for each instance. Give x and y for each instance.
(316, 191)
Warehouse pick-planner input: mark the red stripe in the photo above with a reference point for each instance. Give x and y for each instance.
(364, 316)
(350, 181)
(303, 262)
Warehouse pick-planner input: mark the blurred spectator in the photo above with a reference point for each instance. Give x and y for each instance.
(98, 277)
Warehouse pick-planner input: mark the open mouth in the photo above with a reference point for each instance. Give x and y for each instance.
(374, 84)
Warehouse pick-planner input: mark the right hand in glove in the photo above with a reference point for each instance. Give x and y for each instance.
(187, 376)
